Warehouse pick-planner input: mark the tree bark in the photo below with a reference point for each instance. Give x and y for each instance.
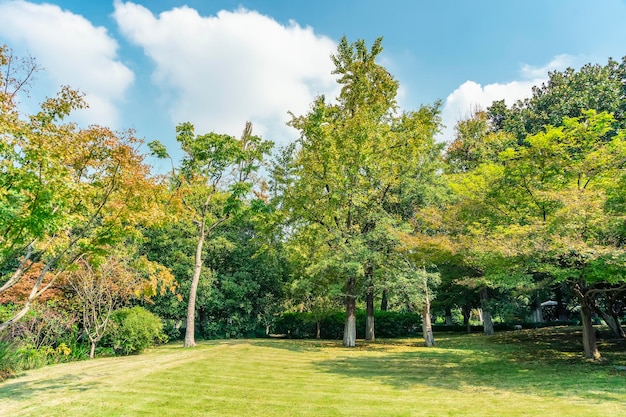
(92, 349)
(369, 321)
(427, 329)
(487, 322)
(318, 330)
(349, 330)
(190, 340)
(590, 342)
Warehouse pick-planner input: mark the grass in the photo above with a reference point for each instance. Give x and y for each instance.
(524, 373)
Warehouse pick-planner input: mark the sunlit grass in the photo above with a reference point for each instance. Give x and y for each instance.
(527, 373)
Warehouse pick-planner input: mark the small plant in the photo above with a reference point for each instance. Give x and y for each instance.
(9, 359)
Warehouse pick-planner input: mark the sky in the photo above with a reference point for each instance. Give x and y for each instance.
(149, 65)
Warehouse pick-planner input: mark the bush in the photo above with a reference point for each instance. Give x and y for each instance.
(45, 325)
(133, 330)
(388, 324)
(296, 325)
(395, 324)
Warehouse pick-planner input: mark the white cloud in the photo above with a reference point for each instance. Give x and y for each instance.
(471, 95)
(72, 51)
(222, 70)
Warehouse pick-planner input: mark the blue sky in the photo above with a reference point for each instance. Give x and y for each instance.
(150, 65)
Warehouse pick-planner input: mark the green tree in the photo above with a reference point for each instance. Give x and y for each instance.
(216, 175)
(544, 210)
(567, 93)
(355, 162)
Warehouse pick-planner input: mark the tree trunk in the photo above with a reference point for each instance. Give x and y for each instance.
(487, 322)
(349, 330)
(619, 330)
(92, 350)
(190, 340)
(467, 312)
(369, 321)
(561, 308)
(536, 314)
(590, 343)
(449, 316)
(318, 330)
(427, 329)
(384, 301)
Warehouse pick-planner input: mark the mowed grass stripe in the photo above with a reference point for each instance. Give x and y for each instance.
(311, 378)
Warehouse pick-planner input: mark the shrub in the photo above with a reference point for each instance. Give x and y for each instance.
(296, 325)
(388, 324)
(133, 330)
(45, 325)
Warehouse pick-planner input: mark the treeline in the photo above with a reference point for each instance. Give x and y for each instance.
(518, 219)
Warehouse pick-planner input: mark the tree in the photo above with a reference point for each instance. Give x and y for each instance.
(412, 285)
(355, 161)
(102, 285)
(65, 192)
(544, 206)
(216, 175)
(567, 93)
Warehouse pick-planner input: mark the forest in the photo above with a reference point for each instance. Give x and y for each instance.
(367, 225)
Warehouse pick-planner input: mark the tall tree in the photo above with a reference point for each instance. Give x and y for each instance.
(216, 175)
(355, 160)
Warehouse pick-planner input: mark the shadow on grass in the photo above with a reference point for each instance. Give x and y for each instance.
(297, 345)
(535, 362)
(23, 390)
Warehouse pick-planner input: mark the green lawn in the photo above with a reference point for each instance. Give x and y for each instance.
(524, 373)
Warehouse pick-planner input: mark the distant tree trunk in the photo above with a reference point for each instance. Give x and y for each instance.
(349, 330)
(384, 301)
(487, 322)
(449, 316)
(191, 306)
(536, 314)
(369, 321)
(427, 329)
(561, 308)
(318, 330)
(467, 313)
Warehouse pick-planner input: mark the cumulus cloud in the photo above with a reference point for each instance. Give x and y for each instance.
(73, 52)
(219, 71)
(471, 95)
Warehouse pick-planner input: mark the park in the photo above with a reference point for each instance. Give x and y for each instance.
(325, 277)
